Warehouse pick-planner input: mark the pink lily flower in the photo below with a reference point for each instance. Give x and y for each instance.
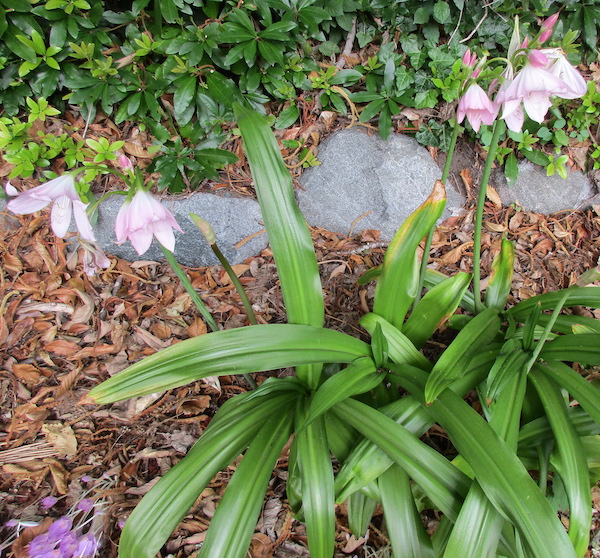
(559, 66)
(142, 218)
(533, 86)
(61, 193)
(477, 107)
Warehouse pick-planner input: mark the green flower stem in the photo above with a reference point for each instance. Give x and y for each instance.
(196, 299)
(499, 128)
(429, 239)
(189, 288)
(237, 283)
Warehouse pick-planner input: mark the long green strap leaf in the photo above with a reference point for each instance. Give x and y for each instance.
(443, 483)
(586, 394)
(501, 475)
(473, 338)
(437, 305)
(157, 515)
(358, 377)
(233, 351)
(583, 296)
(583, 348)
(405, 527)
(360, 511)
(500, 281)
(572, 461)
(399, 281)
(231, 528)
(318, 500)
(286, 227)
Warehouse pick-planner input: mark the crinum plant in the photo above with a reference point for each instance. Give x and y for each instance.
(530, 417)
(515, 359)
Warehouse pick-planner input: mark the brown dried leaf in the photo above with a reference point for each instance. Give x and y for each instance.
(12, 263)
(59, 474)
(63, 347)
(137, 150)
(455, 254)
(196, 328)
(61, 437)
(84, 312)
(26, 373)
(494, 197)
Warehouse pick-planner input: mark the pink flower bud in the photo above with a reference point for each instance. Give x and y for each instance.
(549, 23)
(125, 163)
(537, 58)
(545, 35)
(469, 58)
(525, 43)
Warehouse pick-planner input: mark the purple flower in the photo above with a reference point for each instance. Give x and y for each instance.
(86, 505)
(60, 528)
(87, 546)
(48, 502)
(142, 218)
(65, 201)
(477, 107)
(68, 545)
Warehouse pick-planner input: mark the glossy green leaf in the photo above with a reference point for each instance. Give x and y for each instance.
(164, 506)
(360, 511)
(443, 483)
(233, 351)
(435, 307)
(367, 461)
(183, 100)
(287, 117)
(405, 527)
(512, 360)
(500, 281)
(572, 461)
(433, 278)
(586, 394)
(233, 524)
(501, 475)
(399, 280)
(583, 348)
(287, 230)
(318, 501)
(583, 296)
(358, 377)
(400, 348)
(476, 336)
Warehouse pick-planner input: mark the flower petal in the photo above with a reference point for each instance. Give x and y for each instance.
(82, 221)
(60, 216)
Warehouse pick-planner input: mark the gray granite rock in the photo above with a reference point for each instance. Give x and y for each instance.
(360, 173)
(534, 191)
(233, 220)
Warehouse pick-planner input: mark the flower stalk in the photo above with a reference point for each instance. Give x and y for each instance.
(498, 130)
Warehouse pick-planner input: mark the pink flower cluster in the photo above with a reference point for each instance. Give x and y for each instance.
(545, 74)
(140, 219)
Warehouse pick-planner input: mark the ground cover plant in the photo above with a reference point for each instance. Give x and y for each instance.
(517, 361)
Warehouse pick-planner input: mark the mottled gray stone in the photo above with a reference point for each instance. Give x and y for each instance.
(534, 191)
(361, 173)
(233, 220)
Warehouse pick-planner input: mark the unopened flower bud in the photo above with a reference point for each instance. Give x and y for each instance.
(125, 163)
(205, 228)
(549, 22)
(545, 35)
(537, 58)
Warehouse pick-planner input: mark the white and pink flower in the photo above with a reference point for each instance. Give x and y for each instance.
(61, 193)
(141, 219)
(477, 107)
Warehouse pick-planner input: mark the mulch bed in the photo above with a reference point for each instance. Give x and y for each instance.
(61, 333)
